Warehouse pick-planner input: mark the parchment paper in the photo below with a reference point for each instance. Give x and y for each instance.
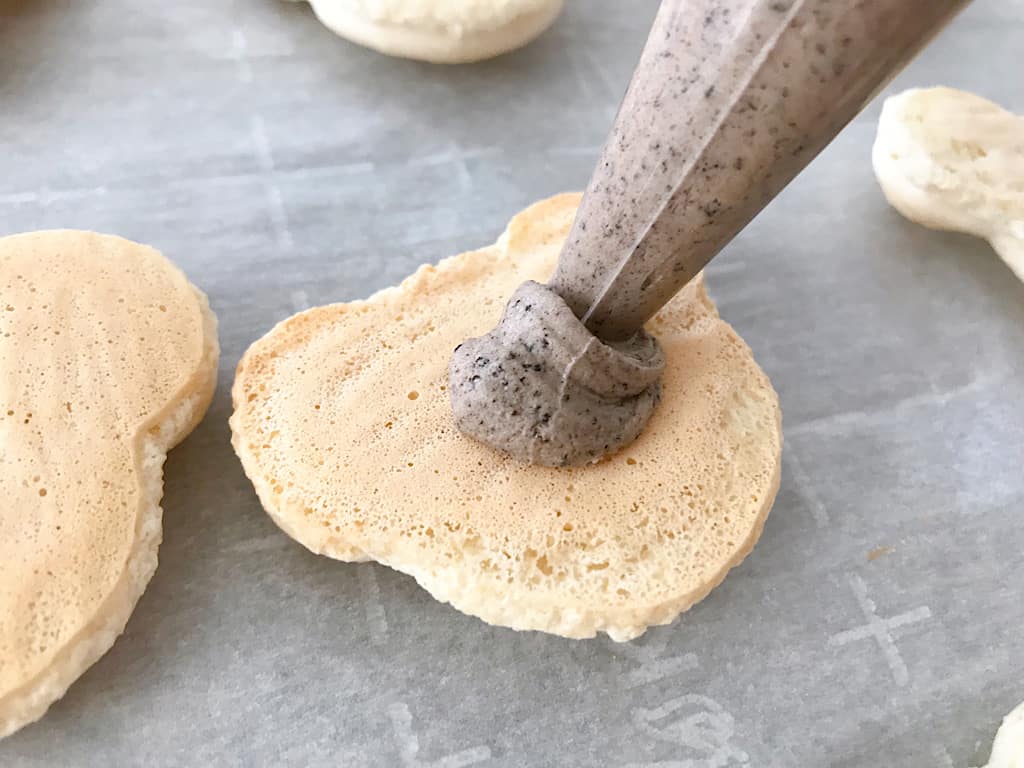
(879, 621)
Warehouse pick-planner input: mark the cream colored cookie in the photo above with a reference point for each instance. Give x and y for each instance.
(344, 426)
(951, 160)
(441, 31)
(1008, 747)
(108, 358)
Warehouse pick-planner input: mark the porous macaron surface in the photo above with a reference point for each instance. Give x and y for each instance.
(343, 423)
(101, 339)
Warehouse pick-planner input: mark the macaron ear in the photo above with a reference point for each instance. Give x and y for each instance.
(543, 223)
(952, 160)
(442, 33)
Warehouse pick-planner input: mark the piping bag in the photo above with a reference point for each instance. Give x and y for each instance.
(731, 99)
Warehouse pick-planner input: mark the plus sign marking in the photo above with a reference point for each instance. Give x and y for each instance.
(880, 629)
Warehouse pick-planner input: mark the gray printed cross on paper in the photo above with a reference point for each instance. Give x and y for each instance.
(880, 629)
(652, 667)
(409, 744)
(697, 726)
(376, 618)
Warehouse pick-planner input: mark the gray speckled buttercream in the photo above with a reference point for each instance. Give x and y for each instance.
(543, 388)
(730, 100)
(898, 355)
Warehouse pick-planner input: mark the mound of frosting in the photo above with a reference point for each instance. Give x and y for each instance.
(543, 388)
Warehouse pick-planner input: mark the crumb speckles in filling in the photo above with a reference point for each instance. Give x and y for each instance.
(542, 388)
